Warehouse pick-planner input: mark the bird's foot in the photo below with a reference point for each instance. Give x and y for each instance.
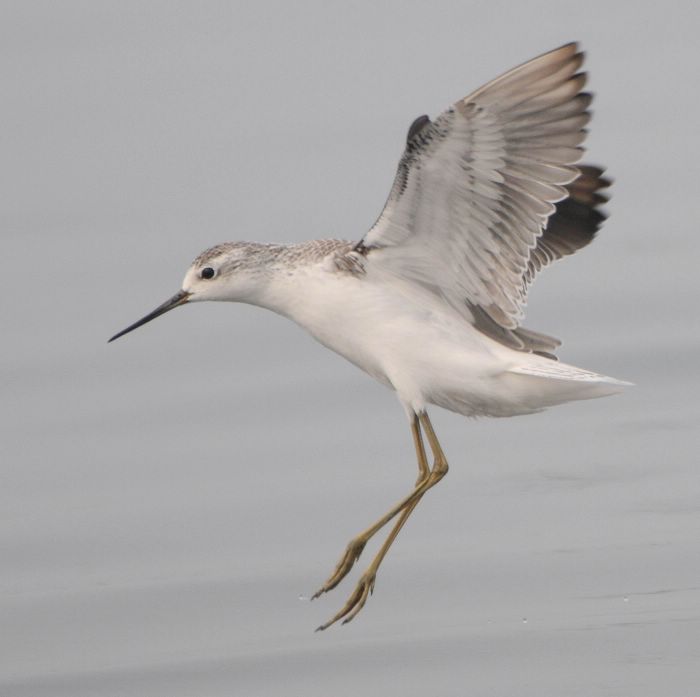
(347, 561)
(355, 603)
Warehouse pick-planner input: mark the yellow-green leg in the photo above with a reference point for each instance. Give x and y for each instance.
(427, 478)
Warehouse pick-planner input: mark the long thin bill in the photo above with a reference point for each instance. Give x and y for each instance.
(180, 298)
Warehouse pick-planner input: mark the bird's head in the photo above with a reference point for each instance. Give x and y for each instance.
(230, 271)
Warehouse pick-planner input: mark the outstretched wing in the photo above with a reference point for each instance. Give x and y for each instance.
(476, 187)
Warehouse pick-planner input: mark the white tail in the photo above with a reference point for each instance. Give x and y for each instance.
(554, 370)
(559, 382)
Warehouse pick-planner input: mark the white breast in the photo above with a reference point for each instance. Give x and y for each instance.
(403, 337)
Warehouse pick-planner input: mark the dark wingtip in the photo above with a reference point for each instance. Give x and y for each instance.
(417, 126)
(577, 218)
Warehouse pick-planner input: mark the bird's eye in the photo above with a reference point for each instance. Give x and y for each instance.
(207, 272)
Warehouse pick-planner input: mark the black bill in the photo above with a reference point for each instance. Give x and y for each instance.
(180, 298)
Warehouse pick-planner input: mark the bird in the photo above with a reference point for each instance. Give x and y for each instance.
(430, 301)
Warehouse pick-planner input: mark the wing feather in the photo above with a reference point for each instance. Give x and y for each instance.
(476, 187)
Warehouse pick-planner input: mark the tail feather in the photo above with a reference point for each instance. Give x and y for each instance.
(562, 371)
(556, 383)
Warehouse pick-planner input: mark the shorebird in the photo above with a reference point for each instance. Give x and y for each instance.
(430, 301)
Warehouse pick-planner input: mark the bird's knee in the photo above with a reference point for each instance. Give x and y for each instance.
(440, 469)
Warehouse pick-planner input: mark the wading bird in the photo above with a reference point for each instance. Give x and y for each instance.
(429, 302)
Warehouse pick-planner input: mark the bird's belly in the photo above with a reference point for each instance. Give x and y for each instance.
(427, 354)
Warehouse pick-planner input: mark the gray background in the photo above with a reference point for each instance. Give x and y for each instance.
(167, 499)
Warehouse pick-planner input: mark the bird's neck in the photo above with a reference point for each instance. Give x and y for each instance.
(291, 277)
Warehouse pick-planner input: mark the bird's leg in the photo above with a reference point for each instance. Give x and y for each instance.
(426, 479)
(357, 544)
(423, 467)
